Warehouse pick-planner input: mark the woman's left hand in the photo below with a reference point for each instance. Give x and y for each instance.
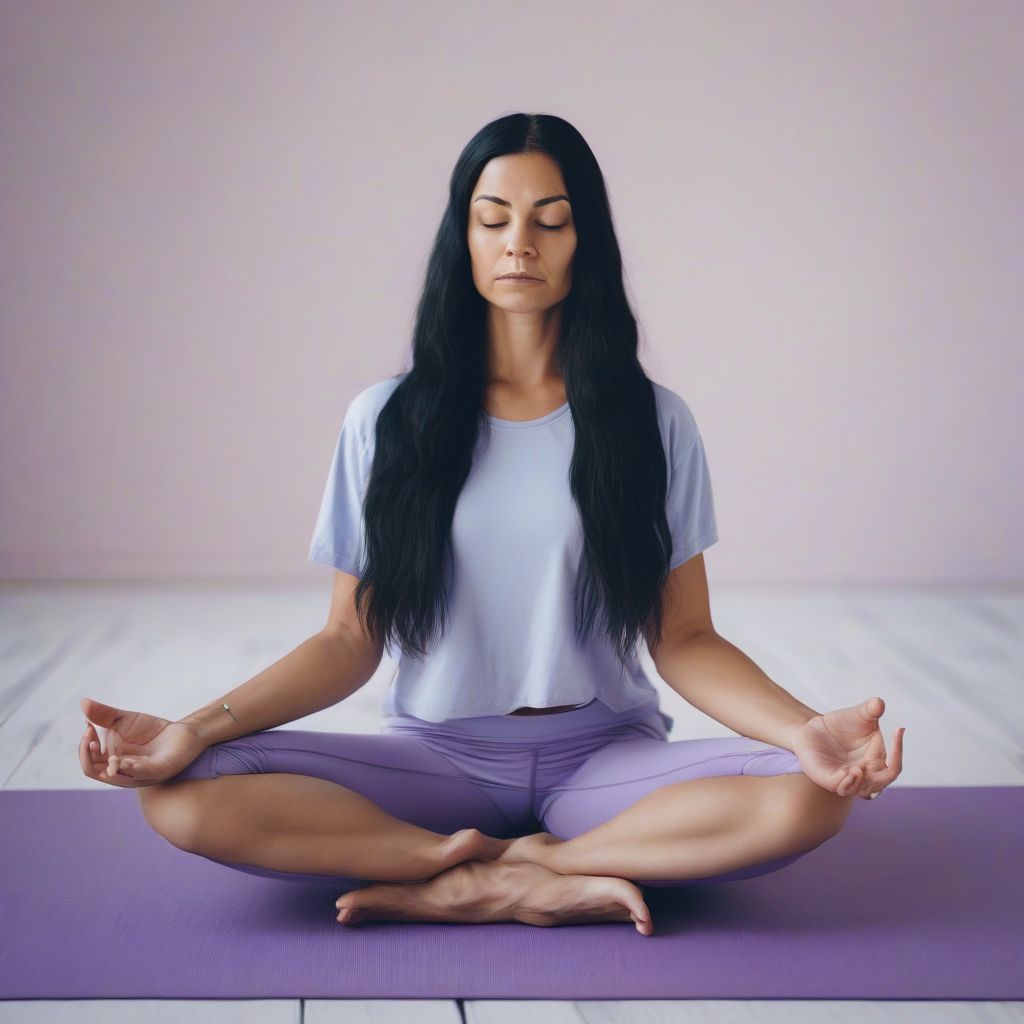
(843, 751)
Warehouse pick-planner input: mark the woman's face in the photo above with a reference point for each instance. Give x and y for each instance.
(520, 219)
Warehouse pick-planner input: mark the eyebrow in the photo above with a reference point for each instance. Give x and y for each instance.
(540, 202)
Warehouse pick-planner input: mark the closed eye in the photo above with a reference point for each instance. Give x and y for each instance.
(546, 227)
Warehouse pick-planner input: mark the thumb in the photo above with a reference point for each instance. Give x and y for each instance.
(874, 708)
(98, 713)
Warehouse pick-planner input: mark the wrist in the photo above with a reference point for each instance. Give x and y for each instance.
(797, 726)
(198, 729)
(213, 723)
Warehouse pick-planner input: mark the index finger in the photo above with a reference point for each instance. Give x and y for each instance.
(892, 770)
(96, 769)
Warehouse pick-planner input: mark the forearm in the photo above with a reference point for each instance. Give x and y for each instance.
(719, 679)
(320, 672)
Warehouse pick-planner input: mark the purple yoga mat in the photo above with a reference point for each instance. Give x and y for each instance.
(919, 897)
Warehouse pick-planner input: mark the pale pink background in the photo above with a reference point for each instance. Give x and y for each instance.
(216, 217)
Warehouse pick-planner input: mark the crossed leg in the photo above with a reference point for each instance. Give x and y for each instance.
(669, 813)
(743, 809)
(667, 834)
(702, 830)
(316, 806)
(273, 804)
(712, 829)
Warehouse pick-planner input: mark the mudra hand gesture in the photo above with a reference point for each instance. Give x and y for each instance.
(843, 751)
(142, 750)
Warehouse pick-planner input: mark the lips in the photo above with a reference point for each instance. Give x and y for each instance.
(521, 277)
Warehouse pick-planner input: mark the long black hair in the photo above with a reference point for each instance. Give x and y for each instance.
(427, 432)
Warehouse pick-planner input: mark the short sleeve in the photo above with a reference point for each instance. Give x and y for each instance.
(338, 537)
(691, 504)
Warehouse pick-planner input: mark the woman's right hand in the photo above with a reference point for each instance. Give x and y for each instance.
(142, 750)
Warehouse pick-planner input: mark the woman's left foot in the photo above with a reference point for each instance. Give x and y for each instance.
(480, 891)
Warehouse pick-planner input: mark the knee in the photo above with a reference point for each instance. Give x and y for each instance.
(172, 809)
(813, 812)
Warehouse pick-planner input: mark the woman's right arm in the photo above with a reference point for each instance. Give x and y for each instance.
(323, 670)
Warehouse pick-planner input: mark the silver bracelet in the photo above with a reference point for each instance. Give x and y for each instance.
(229, 711)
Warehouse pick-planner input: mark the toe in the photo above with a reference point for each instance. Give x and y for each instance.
(643, 927)
(632, 898)
(360, 900)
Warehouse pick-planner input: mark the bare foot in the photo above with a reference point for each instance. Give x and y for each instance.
(480, 891)
(531, 849)
(471, 844)
(570, 899)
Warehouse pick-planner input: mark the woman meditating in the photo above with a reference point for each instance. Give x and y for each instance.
(509, 519)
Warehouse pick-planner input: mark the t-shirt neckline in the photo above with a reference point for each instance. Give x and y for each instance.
(523, 424)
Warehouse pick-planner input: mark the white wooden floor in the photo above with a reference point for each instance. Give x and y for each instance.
(948, 663)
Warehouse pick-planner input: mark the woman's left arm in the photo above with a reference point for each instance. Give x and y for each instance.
(719, 679)
(842, 751)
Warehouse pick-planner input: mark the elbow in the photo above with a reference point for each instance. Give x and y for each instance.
(356, 647)
(667, 651)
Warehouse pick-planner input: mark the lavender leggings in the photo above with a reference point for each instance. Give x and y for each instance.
(563, 773)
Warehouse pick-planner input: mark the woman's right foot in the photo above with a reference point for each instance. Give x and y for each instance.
(573, 899)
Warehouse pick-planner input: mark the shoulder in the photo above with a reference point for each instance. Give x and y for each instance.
(362, 412)
(675, 419)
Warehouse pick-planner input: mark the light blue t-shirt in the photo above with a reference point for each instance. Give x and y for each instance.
(517, 540)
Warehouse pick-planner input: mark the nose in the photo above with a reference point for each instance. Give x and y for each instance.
(513, 250)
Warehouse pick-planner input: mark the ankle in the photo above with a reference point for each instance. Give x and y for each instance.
(460, 846)
(543, 849)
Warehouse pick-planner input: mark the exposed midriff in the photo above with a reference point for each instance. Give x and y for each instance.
(544, 711)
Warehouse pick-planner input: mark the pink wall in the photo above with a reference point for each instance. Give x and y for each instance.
(215, 218)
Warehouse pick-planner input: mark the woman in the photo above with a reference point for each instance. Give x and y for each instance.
(508, 519)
